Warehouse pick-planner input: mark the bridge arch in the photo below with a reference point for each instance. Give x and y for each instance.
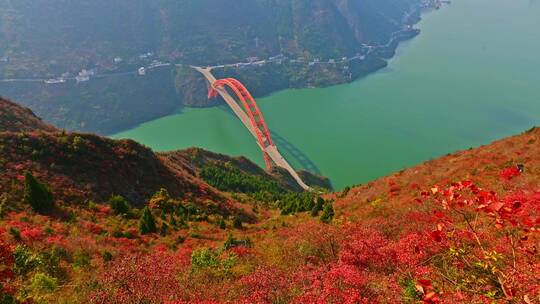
(264, 138)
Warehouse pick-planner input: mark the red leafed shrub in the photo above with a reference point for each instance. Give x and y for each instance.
(314, 242)
(265, 285)
(428, 292)
(183, 256)
(94, 228)
(491, 240)
(32, 234)
(192, 302)
(6, 265)
(56, 240)
(104, 210)
(139, 279)
(367, 248)
(412, 250)
(241, 251)
(519, 209)
(340, 284)
(16, 223)
(160, 248)
(510, 173)
(123, 243)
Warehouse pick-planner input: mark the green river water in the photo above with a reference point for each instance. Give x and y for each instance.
(470, 77)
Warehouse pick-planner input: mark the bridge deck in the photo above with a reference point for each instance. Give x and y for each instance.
(270, 150)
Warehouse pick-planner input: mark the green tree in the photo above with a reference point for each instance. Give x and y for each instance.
(318, 207)
(147, 223)
(222, 224)
(119, 204)
(204, 258)
(42, 283)
(230, 242)
(237, 222)
(163, 201)
(164, 229)
(107, 256)
(345, 192)
(172, 221)
(3, 204)
(78, 144)
(81, 258)
(25, 260)
(328, 213)
(37, 194)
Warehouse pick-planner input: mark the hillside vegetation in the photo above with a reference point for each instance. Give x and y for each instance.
(15, 118)
(57, 36)
(459, 229)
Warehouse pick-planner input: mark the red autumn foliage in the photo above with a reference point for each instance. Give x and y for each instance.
(429, 296)
(341, 283)
(510, 173)
(389, 242)
(32, 234)
(139, 279)
(6, 266)
(94, 228)
(241, 251)
(264, 285)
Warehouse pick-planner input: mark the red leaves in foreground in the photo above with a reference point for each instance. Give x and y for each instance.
(519, 208)
(498, 259)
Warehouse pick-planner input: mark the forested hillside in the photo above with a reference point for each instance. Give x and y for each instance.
(40, 37)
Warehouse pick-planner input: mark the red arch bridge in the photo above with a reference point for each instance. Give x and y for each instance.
(250, 115)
